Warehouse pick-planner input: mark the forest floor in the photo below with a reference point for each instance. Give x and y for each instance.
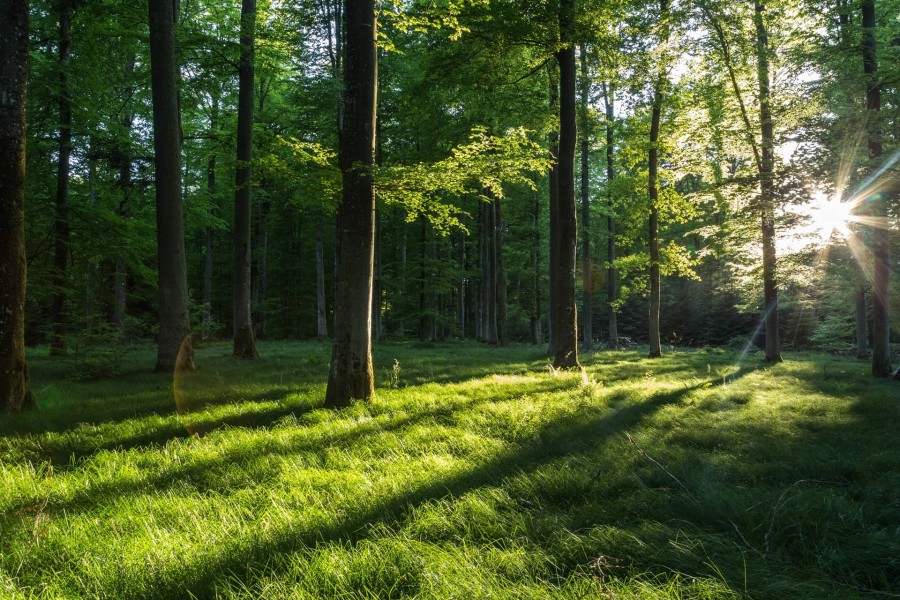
(477, 473)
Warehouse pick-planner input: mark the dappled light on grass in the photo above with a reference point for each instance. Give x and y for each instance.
(507, 482)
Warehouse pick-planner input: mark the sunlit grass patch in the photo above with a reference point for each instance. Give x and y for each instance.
(480, 474)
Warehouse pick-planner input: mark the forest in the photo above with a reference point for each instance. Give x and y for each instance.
(449, 298)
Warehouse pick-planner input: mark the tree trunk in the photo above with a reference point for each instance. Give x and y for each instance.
(553, 185)
(862, 339)
(612, 275)
(209, 245)
(377, 332)
(536, 336)
(502, 326)
(461, 288)
(61, 223)
(351, 375)
(767, 188)
(14, 392)
(565, 327)
(120, 279)
(244, 338)
(653, 192)
(489, 269)
(321, 310)
(587, 284)
(174, 350)
(881, 236)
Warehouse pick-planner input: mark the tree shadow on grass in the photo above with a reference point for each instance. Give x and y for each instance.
(575, 434)
(198, 473)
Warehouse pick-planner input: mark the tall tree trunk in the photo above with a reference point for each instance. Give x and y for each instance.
(502, 325)
(14, 392)
(321, 310)
(174, 350)
(61, 223)
(244, 338)
(862, 339)
(209, 246)
(565, 326)
(424, 305)
(587, 283)
(767, 187)
(377, 332)
(881, 236)
(461, 288)
(120, 278)
(261, 276)
(653, 192)
(553, 185)
(489, 269)
(612, 275)
(351, 375)
(536, 334)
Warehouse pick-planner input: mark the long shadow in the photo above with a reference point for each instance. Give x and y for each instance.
(573, 435)
(197, 471)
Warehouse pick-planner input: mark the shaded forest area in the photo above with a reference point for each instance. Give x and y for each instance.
(530, 165)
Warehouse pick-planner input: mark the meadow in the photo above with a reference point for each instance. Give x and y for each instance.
(478, 472)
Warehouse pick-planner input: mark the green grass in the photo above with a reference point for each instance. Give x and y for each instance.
(477, 473)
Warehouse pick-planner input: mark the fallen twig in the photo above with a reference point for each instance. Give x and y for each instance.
(658, 464)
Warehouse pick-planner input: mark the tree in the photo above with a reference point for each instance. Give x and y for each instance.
(14, 392)
(61, 223)
(586, 310)
(564, 328)
(653, 188)
(350, 375)
(612, 276)
(767, 186)
(244, 339)
(174, 350)
(881, 241)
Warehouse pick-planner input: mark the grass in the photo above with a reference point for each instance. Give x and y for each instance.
(477, 473)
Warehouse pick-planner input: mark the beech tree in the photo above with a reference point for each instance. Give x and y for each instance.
(174, 319)
(881, 240)
(350, 376)
(564, 326)
(14, 392)
(244, 338)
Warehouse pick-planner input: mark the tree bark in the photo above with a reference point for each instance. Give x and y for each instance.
(612, 275)
(61, 222)
(553, 185)
(536, 335)
(244, 338)
(881, 240)
(321, 310)
(565, 327)
(15, 394)
(120, 278)
(502, 325)
(174, 351)
(653, 192)
(767, 188)
(587, 283)
(351, 376)
(862, 339)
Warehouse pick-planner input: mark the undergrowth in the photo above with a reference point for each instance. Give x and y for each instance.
(479, 473)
